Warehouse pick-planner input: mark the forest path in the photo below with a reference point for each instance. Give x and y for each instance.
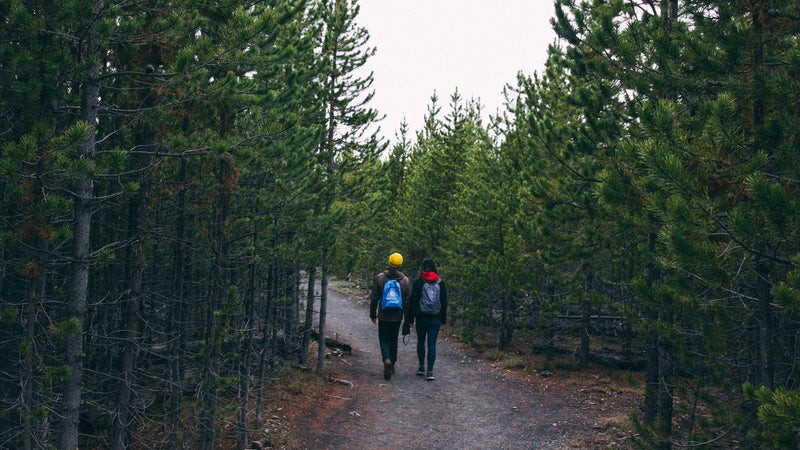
(471, 404)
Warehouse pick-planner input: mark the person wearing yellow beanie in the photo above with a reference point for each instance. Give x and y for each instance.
(389, 318)
(396, 260)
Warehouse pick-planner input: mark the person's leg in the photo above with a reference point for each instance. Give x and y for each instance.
(393, 334)
(433, 335)
(384, 338)
(387, 337)
(422, 331)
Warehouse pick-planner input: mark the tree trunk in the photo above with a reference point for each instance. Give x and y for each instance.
(79, 271)
(210, 380)
(766, 331)
(669, 13)
(295, 315)
(76, 315)
(586, 316)
(767, 364)
(139, 214)
(245, 354)
(177, 319)
(586, 327)
(550, 347)
(210, 395)
(309, 318)
(262, 363)
(651, 380)
(506, 322)
(322, 312)
(652, 347)
(267, 344)
(627, 342)
(666, 396)
(272, 316)
(31, 358)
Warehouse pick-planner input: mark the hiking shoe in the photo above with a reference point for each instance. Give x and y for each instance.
(421, 371)
(429, 376)
(387, 369)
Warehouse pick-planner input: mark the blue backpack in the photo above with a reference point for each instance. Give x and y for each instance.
(392, 295)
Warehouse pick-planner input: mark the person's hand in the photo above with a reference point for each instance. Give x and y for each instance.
(406, 329)
(373, 319)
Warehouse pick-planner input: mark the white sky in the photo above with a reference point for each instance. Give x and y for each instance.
(440, 45)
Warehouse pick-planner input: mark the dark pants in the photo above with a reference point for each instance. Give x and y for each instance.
(427, 334)
(387, 337)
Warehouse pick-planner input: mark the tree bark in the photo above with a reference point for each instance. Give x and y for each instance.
(322, 312)
(309, 318)
(245, 354)
(31, 358)
(666, 395)
(177, 319)
(139, 213)
(651, 380)
(506, 321)
(766, 331)
(766, 364)
(79, 271)
(652, 347)
(586, 327)
(586, 316)
(210, 395)
(294, 325)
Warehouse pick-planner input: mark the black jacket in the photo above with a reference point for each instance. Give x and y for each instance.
(416, 293)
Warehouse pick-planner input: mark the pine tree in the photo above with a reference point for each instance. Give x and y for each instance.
(483, 248)
(346, 142)
(695, 156)
(169, 118)
(437, 157)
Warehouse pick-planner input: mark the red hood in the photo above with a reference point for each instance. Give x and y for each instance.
(430, 276)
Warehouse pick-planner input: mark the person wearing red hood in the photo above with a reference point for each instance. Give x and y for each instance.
(429, 309)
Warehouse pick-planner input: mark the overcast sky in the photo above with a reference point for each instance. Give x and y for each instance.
(440, 45)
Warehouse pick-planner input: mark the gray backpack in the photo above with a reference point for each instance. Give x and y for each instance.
(429, 300)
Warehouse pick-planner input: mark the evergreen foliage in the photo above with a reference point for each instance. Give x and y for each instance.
(193, 180)
(170, 176)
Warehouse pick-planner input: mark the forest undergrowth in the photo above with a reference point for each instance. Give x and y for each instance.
(606, 396)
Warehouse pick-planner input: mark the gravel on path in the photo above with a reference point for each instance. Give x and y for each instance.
(472, 404)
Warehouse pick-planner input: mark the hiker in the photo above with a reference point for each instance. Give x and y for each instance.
(429, 309)
(389, 284)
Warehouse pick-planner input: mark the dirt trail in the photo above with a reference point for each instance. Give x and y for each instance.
(471, 404)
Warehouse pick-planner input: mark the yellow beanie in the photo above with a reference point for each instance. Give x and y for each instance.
(396, 260)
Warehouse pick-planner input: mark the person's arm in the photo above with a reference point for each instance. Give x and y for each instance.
(413, 301)
(443, 301)
(408, 297)
(375, 295)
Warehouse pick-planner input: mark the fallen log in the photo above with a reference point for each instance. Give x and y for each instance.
(333, 343)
